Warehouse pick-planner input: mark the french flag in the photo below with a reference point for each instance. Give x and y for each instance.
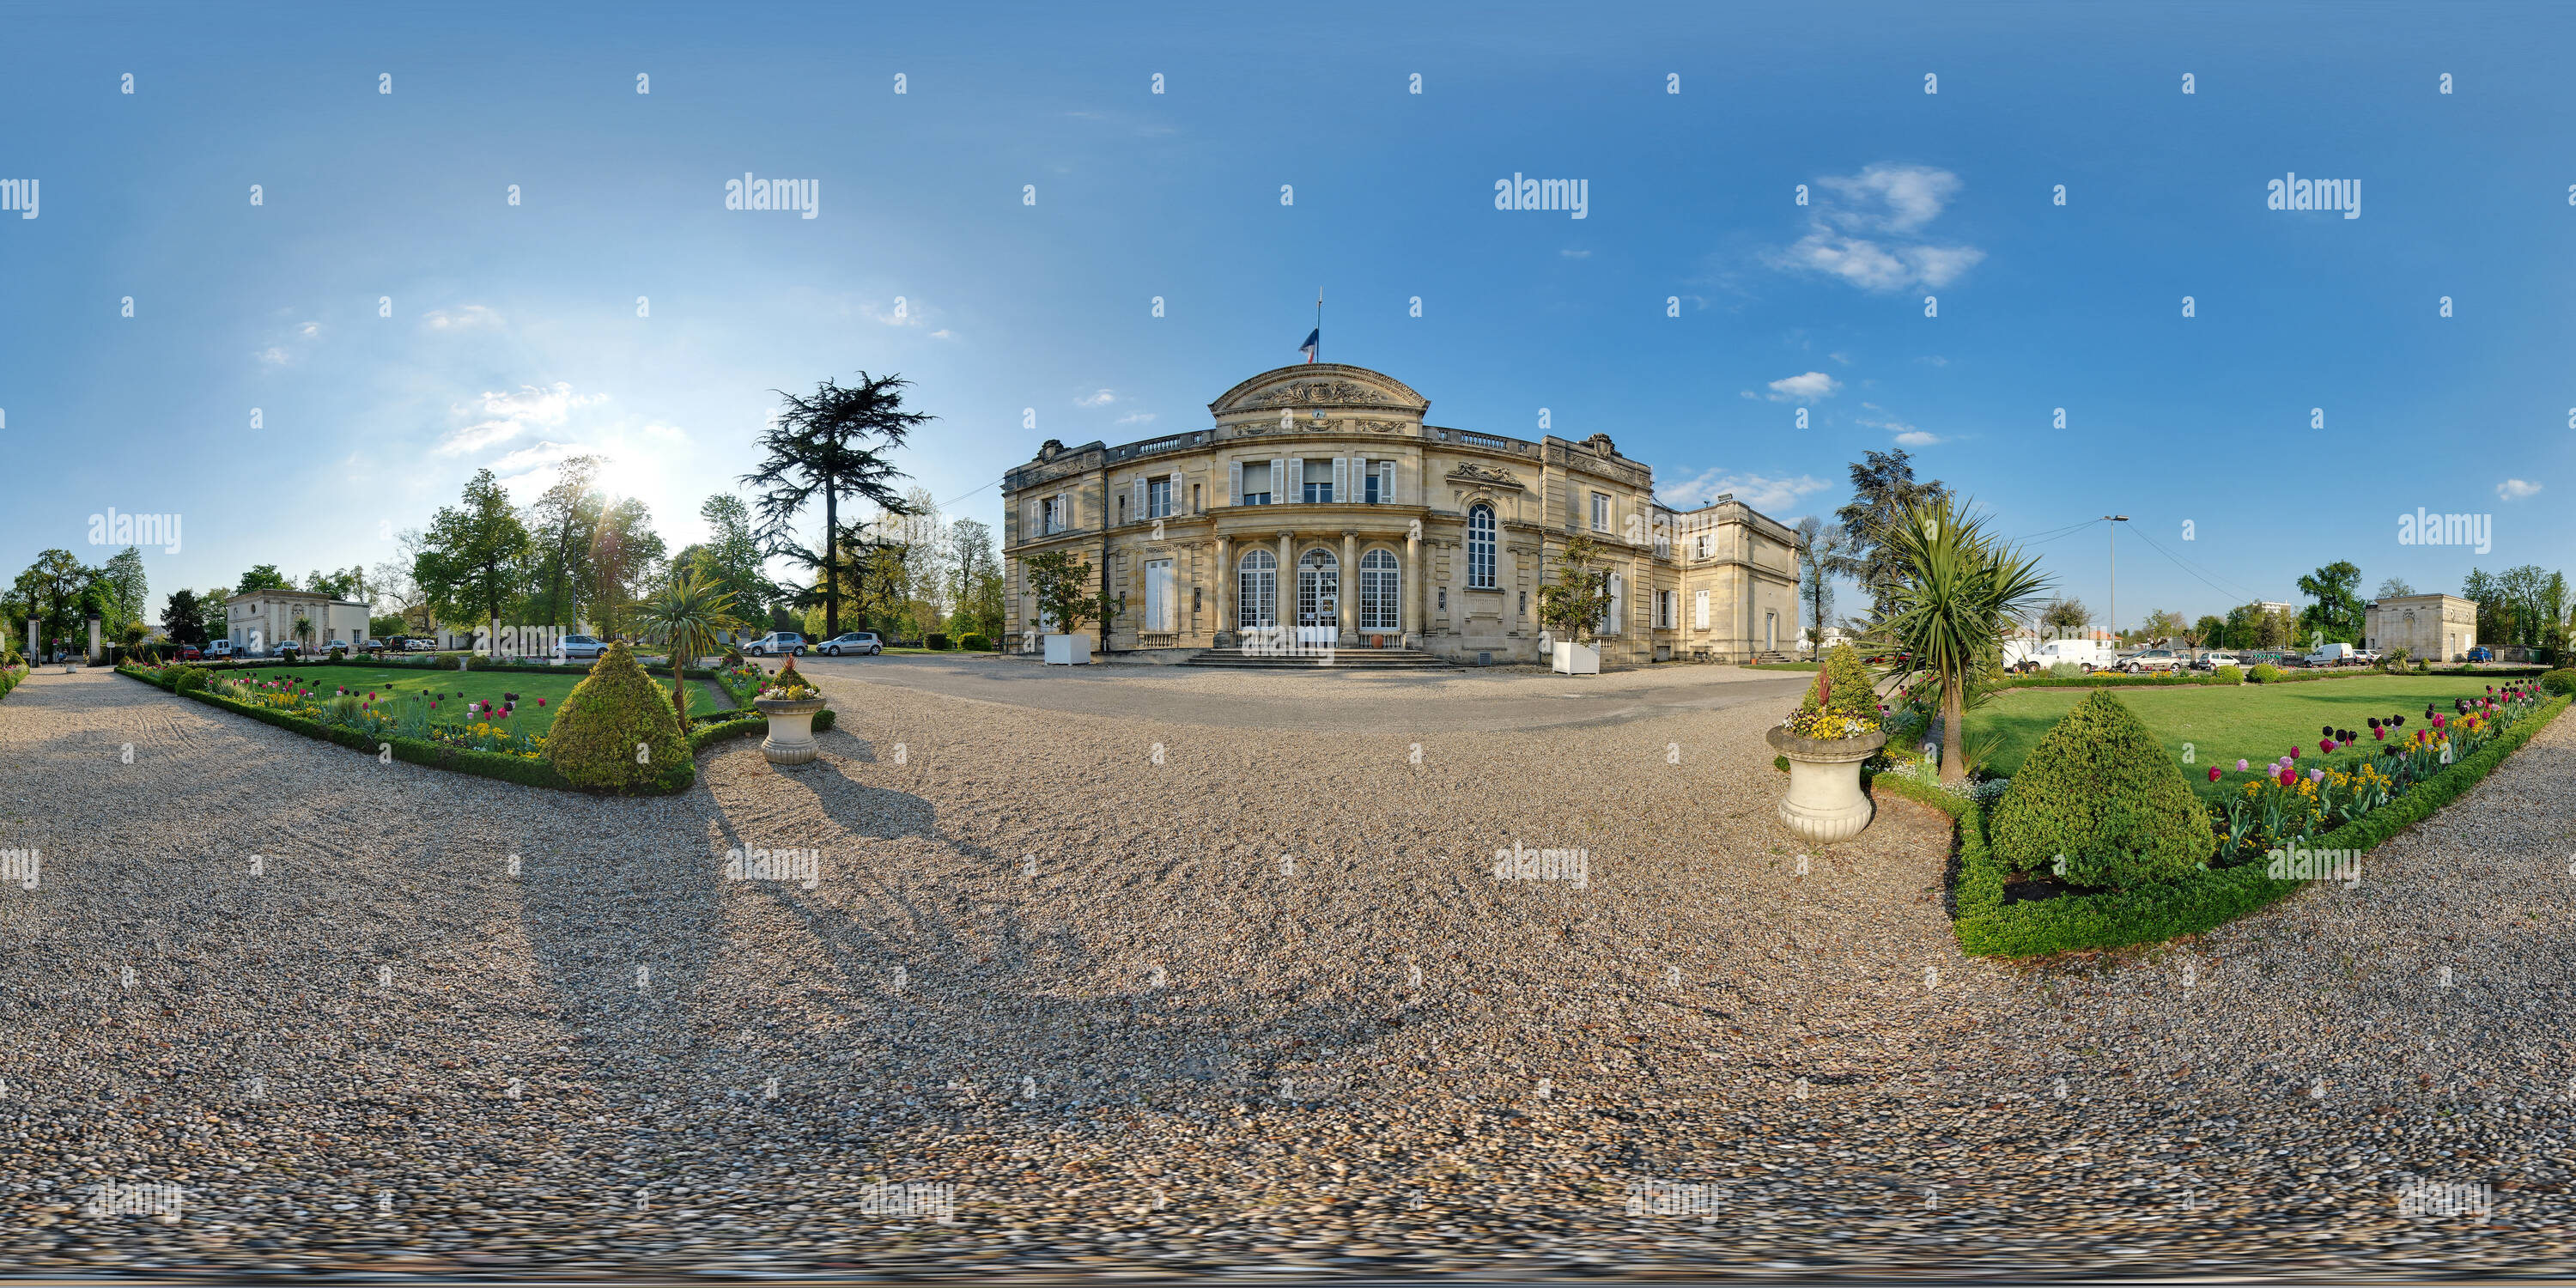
(1313, 338)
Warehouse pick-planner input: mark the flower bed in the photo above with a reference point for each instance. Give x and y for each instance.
(405, 730)
(1988, 925)
(2115, 680)
(10, 677)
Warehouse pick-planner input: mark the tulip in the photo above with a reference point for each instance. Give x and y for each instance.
(2240, 765)
(2213, 773)
(2379, 733)
(2316, 775)
(2328, 731)
(2325, 746)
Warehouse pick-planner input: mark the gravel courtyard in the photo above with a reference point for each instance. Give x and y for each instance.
(1194, 984)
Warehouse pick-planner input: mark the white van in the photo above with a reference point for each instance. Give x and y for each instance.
(2025, 655)
(219, 648)
(2337, 655)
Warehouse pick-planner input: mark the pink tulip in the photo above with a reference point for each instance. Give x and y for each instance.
(2240, 765)
(2213, 773)
(2325, 746)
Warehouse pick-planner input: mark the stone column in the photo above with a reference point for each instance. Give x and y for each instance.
(1349, 605)
(1412, 596)
(1224, 597)
(1283, 599)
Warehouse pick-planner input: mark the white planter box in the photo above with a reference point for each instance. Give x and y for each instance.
(1577, 659)
(1068, 650)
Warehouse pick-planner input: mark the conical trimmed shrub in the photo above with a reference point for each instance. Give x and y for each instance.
(1844, 674)
(597, 729)
(2099, 790)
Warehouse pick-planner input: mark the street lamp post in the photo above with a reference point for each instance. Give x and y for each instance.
(2115, 580)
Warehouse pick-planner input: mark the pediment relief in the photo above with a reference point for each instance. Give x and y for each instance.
(1475, 475)
(1313, 385)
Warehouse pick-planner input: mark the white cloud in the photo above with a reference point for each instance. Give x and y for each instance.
(1576, 254)
(1933, 360)
(1916, 438)
(309, 329)
(1843, 358)
(273, 355)
(1101, 399)
(471, 317)
(1759, 491)
(537, 456)
(668, 433)
(1804, 388)
(1906, 434)
(508, 415)
(1139, 418)
(2515, 490)
(943, 333)
(1864, 228)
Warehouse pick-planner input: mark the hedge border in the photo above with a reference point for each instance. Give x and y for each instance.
(10, 678)
(482, 764)
(2116, 681)
(1986, 926)
(266, 663)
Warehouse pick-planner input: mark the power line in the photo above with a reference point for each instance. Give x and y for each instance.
(2237, 592)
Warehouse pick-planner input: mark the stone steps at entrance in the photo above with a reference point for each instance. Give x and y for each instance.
(1340, 659)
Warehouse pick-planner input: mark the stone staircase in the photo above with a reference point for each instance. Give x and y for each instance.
(1339, 659)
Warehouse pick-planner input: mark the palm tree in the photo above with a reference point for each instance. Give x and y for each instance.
(818, 447)
(689, 618)
(1956, 592)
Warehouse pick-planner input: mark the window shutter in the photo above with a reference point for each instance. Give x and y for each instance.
(1699, 611)
(1387, 489)
(1296, 490)
(1278, 488)
(1341, 478)
(1139, 511)
(1176, 502)
(1234, 483)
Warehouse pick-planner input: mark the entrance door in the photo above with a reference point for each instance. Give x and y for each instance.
(1257, 591)
(1319, 597)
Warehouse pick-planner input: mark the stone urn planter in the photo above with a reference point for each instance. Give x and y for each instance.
(1825, 803)
(791, 729)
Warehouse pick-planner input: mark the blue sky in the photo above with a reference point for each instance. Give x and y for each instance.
(514, 337)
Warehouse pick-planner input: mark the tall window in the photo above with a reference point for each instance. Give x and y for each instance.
(1612, 624)
(1161, 606)
(1319, 482)
(1372, 483)
(1600, 512)
(1158, 498)
(1256, 483)
(1256, 589)
(1381, 608)
(1051, 516)
(1480, 547)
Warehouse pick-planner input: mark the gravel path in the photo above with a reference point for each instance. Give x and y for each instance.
(1161, 1010)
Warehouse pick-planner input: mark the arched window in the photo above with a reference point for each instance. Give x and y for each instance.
(1257, 588)
(1381, 585)
(1480, 547)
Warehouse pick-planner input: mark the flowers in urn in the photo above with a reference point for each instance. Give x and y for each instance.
(789, 685)
(1840, 704)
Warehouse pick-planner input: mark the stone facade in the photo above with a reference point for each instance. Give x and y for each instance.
(262, 620)
(1320, 499)
(2441, 627)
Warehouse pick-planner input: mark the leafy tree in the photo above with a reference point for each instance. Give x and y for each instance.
(2337, 613)
(1573, 605)
(819, 447)
(344, 583)
(125, 599)
(1959, 590)
(469, 559)
(183, 618)
(625, 557)
(880, 577)
(1060, 583)
(977, 593)
(52, 587)
(1820, 548)
(2394, 588)
(560, 525)
(2065, 617)
(2163, 624)
(730, 557)
(214, 613)
(1883, 488)
(263, 577)
(2209, 632)
(393, 591)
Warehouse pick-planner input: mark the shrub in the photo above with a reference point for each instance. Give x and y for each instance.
(2100, 791)
(2264, 673)
(595, 731)
(975, 642)
(937, 640)
(2065, 671)
(191, 679)
(2562, 680)
(1852, 697)
(2231, 674)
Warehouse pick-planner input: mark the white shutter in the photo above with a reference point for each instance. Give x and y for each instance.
(1296, 490)
(1699, 611)
(1341, 478)
(1177, 502)
(1386, 490)
(1279, 493)
(1139, 511)
(1234, 483)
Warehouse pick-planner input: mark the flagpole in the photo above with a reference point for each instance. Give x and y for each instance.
(1319, 324)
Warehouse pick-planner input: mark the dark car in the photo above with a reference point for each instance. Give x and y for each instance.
(2481, 654)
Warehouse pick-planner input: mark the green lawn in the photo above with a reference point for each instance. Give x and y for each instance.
(2253, 722)
(461, 687)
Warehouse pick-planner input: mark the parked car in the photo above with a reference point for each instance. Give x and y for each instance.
(415, 644)
(220, 648)
(2481, 654)
(189, 653)
(2153, 659)
(788, 642)
(2213, 661)
(852, 642)
(582, 647)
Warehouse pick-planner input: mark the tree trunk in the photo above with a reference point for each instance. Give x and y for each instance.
(831, 559)
(1954, 714)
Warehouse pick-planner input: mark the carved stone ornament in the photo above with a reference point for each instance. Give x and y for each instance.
(1307, 393)
(1487, 475)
